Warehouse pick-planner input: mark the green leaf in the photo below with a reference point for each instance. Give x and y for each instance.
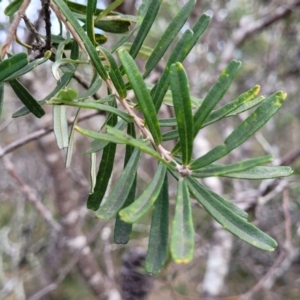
(142, 94)
(114, 24)
(99, 136)
(91, 9)
(144, 52)
(13, 7)
(141, 205)
(92, 90)
(104, 171)
(1, 97)
(215, 115)
(71, 140)
(60, 126)
(168, 36)
(82, 9)
(182, 236)
(215, 94)
(177, 55)
(12, 65)
(262, 173)
(122, 229)
(229, 220)
(65, 79)
(246, 106)
(157, 252)
(183, 110)
(109, 9)
(137, 143)
(29, 67)
(114, 73)
(220, 170)
(247, 128)
(94, 105)
(86, 41)
(121, 188)
(232, 106)
(255, 121)
(231, 206)
(28, 100)
(98, 145)
(146, 24)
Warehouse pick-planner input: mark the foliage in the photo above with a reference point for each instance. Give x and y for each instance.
(145, 135)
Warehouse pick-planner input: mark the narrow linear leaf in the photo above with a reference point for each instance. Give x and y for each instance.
(98, 145)
(168, 36)
(144, 52)
(247, 128)
(220, 170)
(214, 96)
(1, 97)
(86, 41)
(114, 73)
(104, 171)
(183, 110)
(13, 7)
(60, 126)
(28, 100)
(92, 90)
(71, 140)
(91, 9)
(141, 205)
(255, 121)
(226, 109)
(75, 53)
(231, 206)
(139, 144)
(93, 105)
(142, 94)
(122, 229)
(12, 65)
(246, 106)
(98, 136)
(216, 115)
(30, 66)
(121, 189)
(115, 24)
(157, 252)
(109, 9)
(65, 79)
(178, 54)
(103, 176)
(146, 24)
(82, 9)
(182, 236)
(93, 171)
(199, 28)
(262, 173)
(229, 220)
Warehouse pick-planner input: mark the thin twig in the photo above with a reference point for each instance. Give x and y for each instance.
(13, 28)
(47, 18)
(31, 196)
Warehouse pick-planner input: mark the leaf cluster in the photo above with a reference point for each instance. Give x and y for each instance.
(144, 135)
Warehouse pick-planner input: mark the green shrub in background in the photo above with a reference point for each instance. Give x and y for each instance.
(144, 135)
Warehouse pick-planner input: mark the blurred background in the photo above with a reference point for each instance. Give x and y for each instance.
(52, 247)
